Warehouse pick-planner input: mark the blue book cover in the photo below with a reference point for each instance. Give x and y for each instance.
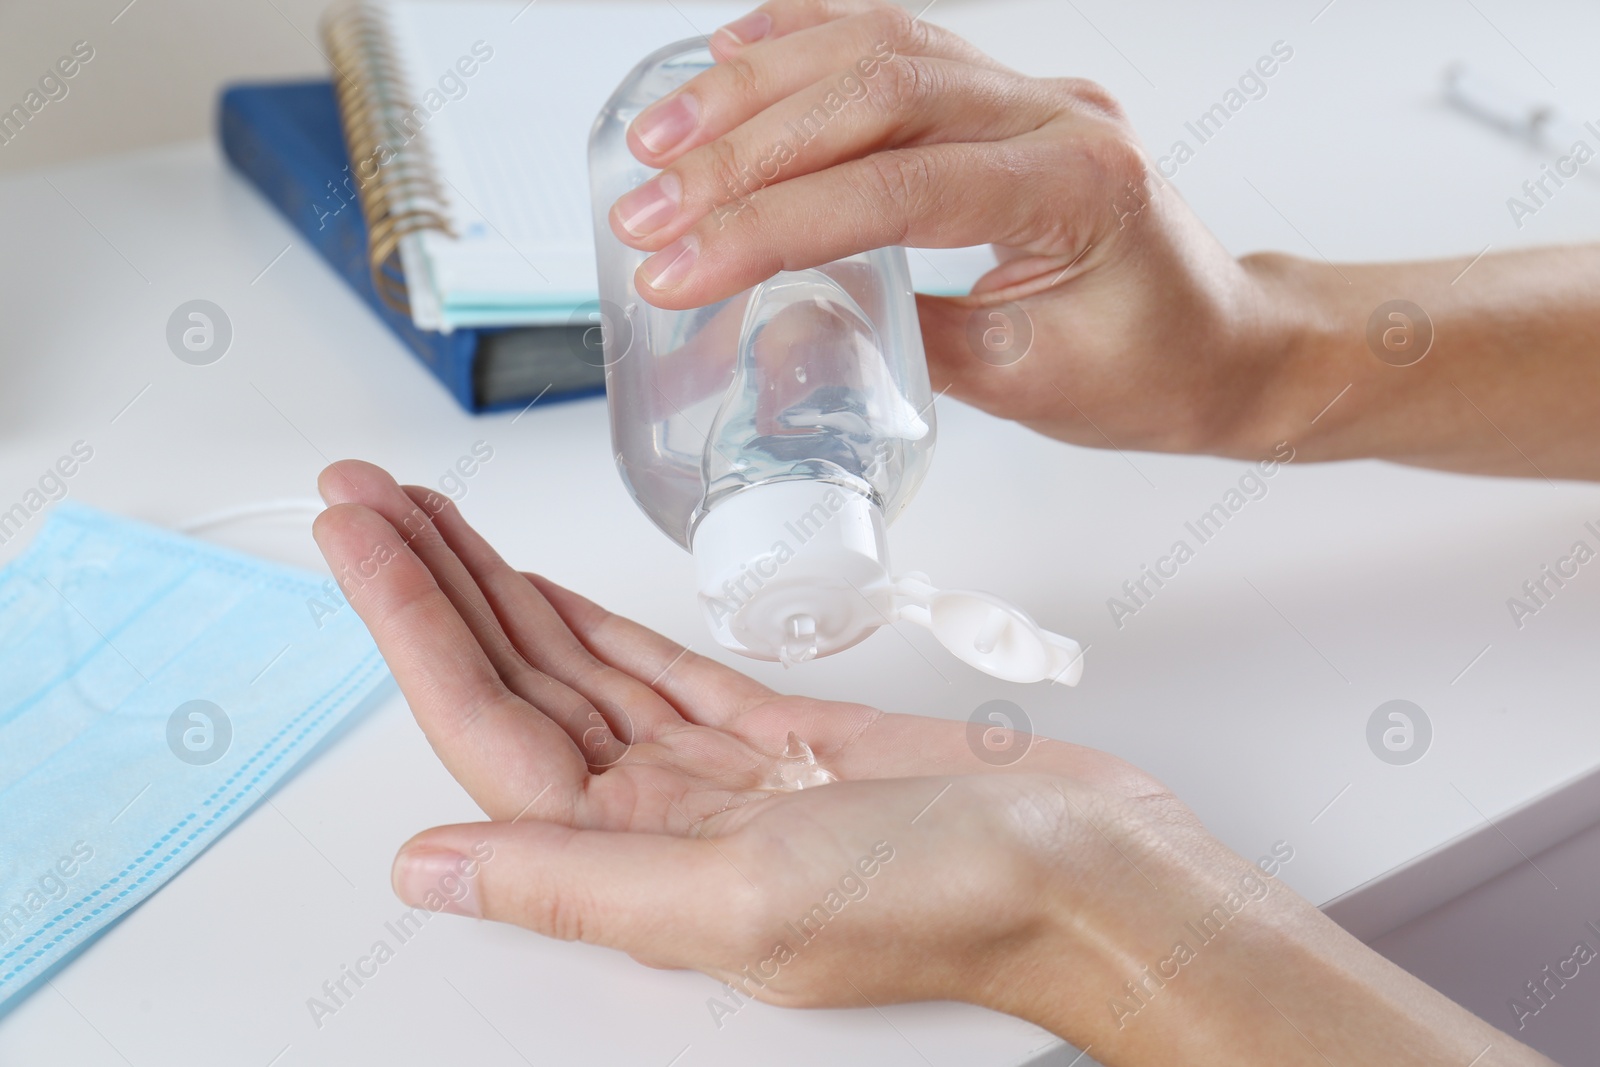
(286, 139)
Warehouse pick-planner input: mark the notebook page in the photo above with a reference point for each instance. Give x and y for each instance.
(510, 141)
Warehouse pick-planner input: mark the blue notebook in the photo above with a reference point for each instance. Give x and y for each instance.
(286, 139)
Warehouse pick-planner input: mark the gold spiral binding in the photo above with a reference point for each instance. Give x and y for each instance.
(401, 195)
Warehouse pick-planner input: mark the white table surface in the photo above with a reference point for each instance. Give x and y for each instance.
(1369, 582)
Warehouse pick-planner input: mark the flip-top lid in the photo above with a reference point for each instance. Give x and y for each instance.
(790, 571)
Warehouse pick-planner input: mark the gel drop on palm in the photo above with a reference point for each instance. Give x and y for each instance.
(775, 435)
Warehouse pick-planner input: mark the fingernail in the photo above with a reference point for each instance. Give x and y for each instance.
(750, 28)
(434, 879)
(651, 206)
(665, 125)
(672, 264)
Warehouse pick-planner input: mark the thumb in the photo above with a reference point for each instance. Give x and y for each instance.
(647, 894)
(974, 350)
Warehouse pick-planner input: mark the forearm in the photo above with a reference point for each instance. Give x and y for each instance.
(1297, 989)
(1510, 384)
(1195, 963)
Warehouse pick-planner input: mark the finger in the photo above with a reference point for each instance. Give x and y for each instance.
(633, 710)
(913, 101)
(703, 690)
(356, 482)
(1047, 191)
(665, 897)
(353, 481)
(855, 48)
(783, 17)
(502, 755)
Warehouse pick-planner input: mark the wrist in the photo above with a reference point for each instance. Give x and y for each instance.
(1139, 909)
(1350, 368)
(1149, 933)
(1304, 346)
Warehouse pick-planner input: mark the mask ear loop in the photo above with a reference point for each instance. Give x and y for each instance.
(263, 509)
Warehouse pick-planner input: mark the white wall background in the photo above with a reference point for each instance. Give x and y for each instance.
(156, 70)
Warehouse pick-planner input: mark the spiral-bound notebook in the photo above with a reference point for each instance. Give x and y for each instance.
(467, 123)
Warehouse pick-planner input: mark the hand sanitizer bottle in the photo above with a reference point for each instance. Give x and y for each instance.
(777, 434)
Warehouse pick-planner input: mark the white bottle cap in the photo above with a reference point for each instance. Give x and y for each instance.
(790, 571)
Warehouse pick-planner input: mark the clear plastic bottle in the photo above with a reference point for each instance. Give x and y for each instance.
(777, 433)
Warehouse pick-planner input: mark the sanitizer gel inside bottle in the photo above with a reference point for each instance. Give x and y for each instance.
(776, 434)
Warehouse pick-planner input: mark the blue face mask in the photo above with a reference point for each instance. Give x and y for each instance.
(152, 689)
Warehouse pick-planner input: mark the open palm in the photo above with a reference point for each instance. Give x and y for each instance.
(626, 777)
(545, 705)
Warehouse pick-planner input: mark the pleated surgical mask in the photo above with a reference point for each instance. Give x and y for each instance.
(153, 688)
